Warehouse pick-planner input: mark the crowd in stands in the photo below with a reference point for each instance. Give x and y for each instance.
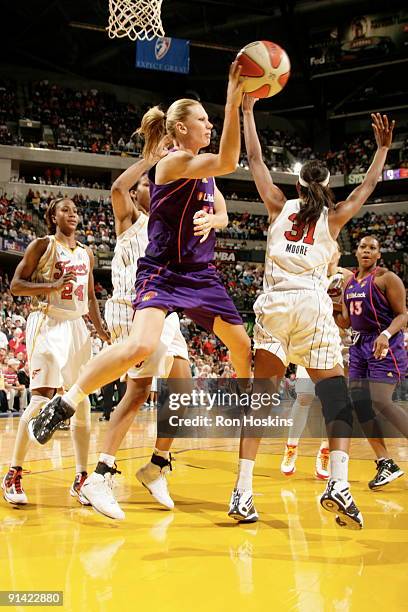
(243, 282)
(244, 226)
(390, 229)
(54, 177)
(15, 221)
(96, 122)
(20, 224)
(86, 120)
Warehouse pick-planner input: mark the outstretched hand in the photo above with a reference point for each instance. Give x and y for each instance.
(235, 85)
(162, 149)
(382, 130)
(248, 103)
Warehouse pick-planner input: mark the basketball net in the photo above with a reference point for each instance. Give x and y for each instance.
(137, 19)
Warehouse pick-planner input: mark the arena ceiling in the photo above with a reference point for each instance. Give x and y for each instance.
(68, 37)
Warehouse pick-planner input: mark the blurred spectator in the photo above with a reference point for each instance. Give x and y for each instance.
(14, 389)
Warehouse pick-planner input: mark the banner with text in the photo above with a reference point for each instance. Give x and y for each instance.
(166, 54)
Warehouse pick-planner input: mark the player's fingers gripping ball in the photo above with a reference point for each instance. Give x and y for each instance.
(265, 67)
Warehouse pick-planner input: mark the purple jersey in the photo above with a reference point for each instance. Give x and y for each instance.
(171, 228)
(370, 313)
(368, 308)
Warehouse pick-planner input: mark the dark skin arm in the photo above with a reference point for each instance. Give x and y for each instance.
(21, 284)
(124, 210)
(346, 210)
(393, 289)
(342, 318)
(341, 314)
(94, 313)
(271, 195)
(347, 274)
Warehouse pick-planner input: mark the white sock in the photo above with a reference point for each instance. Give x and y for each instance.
(162, 453)
(339, 461)
(299, 415)
(244, 478)
(74, 396)
(109, 460)
(22, 441)
(324, 444)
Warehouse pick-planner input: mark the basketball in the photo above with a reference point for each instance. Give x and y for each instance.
(266, 68)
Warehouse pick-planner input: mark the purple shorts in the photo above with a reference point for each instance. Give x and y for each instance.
(363, 364)
(199, 293)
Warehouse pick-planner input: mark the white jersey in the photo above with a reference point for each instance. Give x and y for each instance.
(297, 257)
(130, 245)
(71, 301)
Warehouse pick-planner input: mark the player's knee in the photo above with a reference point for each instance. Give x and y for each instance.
(136, 396)
(82, 416)
(33, 408)
(242, 346)
(362, 404)
(139, 351)
(335, 400)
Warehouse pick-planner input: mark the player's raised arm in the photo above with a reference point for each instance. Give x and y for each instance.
(123, 206)
(122, 203)
(344, 211)
(271, 195)
(21, 284)
(187, 119)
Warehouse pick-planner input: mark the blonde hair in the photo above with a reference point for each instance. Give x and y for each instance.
(156, 124)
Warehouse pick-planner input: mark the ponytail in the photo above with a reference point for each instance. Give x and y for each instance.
(152, 128)
(312, 201)
(314, 192)
(156, 124)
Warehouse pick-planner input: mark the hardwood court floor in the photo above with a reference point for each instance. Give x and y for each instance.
(195, 558)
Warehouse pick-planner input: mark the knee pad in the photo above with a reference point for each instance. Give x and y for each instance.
(82, 416)
(336, 404)
(33, 408)
(362, 404)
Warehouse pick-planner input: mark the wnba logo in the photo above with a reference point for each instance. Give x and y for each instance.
(161, 47)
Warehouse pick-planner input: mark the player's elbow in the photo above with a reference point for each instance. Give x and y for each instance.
(228, 166)
(118, 188)
(227, 161)
(15, 287)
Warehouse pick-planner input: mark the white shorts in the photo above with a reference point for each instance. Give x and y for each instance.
(119, 316)
(57, 350)
(298, 327)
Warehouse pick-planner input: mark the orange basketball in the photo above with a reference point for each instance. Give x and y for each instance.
(266, 68)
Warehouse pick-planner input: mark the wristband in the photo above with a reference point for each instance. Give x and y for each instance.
(386, 333)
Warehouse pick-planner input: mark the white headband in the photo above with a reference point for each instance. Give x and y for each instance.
(323, 183)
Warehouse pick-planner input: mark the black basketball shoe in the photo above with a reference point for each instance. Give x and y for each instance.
(42, 428)
(337, 499)
(242, 507)
(387, 471)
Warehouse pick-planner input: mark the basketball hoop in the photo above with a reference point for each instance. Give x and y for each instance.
(137, 19)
